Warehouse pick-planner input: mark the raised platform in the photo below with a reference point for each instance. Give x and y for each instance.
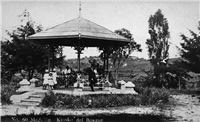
(85, 91)
(34, 96)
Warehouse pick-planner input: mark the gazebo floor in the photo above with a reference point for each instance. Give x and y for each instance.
(85, 91)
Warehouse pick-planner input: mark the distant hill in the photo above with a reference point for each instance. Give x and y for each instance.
(132, 64)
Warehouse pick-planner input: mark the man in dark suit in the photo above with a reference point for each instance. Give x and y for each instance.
(92, 77)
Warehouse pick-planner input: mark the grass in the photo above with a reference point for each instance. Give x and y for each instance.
(184, 91)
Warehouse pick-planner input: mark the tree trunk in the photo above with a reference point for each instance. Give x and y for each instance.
(179, 84)
(30, 74)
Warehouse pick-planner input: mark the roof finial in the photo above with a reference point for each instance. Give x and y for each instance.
(79, 8)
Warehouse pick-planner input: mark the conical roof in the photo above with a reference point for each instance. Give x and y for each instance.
(88, 33)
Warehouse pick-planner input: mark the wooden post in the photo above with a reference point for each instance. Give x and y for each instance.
(79, 52)
(49, 63)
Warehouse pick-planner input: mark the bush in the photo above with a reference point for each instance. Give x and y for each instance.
(151, 96)
(6, 92)
(16, 79)
(147, 96)
(49, 99)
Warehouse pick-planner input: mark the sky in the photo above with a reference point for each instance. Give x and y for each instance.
(133, 15)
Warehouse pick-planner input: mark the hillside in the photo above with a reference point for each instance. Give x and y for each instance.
(133, 65)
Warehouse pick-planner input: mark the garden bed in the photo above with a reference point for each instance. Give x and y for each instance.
(147, 96)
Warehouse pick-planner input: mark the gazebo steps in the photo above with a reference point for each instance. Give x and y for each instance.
(28, 104)
(87, 88)
(35, 96)
(34, 100)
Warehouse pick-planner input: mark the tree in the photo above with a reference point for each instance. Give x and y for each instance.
(118, 55)
(20, 53)
(190, 51)
(5, 73)
(158, 44)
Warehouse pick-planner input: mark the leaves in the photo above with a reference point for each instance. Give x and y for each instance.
(19, 53)
(158, 44)
(190, 51)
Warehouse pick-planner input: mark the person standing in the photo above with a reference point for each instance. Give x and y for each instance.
(45, 80)
(67, 73)
(54, 78)
(92, 77)
(50, 80)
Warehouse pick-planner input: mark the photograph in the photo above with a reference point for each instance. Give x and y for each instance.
(100, 61)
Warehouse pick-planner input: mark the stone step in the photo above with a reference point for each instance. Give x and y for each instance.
(89, 89)
(35, 96)
(34, 100)
(28, 104)
(38, 93)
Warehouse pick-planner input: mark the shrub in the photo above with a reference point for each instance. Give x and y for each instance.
(147, 96)
(6, 92)
(151, 96)
(16, 79)
(49, 99)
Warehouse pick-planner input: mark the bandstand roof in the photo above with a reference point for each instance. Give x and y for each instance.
(87, 33)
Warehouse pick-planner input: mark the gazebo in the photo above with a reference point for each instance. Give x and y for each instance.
(79, 33)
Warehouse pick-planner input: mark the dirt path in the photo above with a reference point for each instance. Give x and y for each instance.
(184, 108)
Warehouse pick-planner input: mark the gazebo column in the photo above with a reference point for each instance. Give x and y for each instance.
(49, 61)
(79, 52)
(106, 57)
(51, 57)
(79, 56)
(104, 60)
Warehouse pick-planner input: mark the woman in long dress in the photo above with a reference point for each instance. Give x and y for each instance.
(50, 79)
(45, 80)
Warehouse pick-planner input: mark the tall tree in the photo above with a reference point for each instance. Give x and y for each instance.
(190, 51)
(158, 44)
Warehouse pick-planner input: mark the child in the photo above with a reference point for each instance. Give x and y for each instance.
(50, 80)
(54, 78)
(45, 82)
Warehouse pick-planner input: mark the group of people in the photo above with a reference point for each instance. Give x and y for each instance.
(50, 77)
(50, 81)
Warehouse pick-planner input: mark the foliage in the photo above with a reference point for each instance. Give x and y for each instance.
(18, 53)
(49, 99)
(190, 51)
(16, 79)
(147, 96)
(184, 91)
(7, 90)
(4, 75)
(158, 44)
(152, 95)
(118, 55)
(172, 76)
